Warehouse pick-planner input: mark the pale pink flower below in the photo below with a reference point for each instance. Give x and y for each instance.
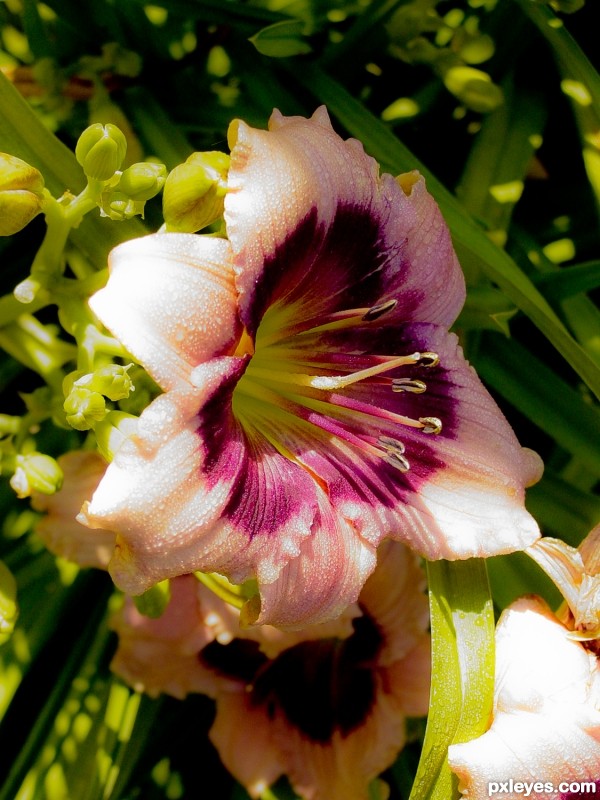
(545, 730)
(315, 403)
(328, 710)
(58, 528)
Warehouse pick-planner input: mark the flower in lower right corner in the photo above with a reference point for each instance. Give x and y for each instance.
(544, 737)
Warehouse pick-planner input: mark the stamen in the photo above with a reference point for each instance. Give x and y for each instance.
(394, 454)
(398, 461)
(429, 360)
(392, 444)
(379, 310)
(431, 424)
(408, 385)
(331, 382)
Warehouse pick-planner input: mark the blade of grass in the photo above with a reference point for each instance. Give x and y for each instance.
(536, 391)
(462, 634)
(569, 281)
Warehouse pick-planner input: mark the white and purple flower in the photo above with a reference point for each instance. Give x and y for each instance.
(315, 403)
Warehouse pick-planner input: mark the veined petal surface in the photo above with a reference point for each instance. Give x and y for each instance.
(316, 403)
(171, 301)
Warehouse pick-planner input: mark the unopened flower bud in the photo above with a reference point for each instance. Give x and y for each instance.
(112, 381)
(21, 194)
(112, 431)
(101, 150)
(194, 193)
(117, 206)
(142, 181)
(83, 408)
(36, 472)
(8, 603)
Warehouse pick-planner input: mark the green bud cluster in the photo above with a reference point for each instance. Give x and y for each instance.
(85, 393)
(100, 150)
(194, 193)
(136, 185)
(83, 408)
(21, 194)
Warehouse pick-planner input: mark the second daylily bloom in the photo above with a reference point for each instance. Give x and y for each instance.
(314, 402)
(326, 705)
(544, 738)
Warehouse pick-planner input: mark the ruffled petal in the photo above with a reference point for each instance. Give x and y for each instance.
(243, 735)
(342, 768)
(395, 596)
(157, 500)
(161, 655)
(171, 301)
(59, 529)
(546, 719)
(314, 227)
(323, 579)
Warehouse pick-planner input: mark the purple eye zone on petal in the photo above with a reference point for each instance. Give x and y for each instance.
(346, 265)
(328, 306)
(320, 686)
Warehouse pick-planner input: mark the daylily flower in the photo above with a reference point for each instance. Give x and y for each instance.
(576, 573)
(327, 708)
(545, 730)
(314, 402)
(59, 529)
(161, 655)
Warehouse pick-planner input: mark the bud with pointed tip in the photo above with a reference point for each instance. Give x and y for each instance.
(100, 150)
(194, 192)
(21, 194)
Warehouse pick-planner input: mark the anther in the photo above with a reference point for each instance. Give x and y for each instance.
(379, 310)
(392, 445)
(408, 385)
(429, 360)
(398, 461)
(431, 424)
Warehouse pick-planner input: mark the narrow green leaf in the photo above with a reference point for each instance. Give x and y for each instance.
(536, 391)
(569, 281)
(462, 636)
(282, 39)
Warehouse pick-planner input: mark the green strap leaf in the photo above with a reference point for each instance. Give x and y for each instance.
(462, 685)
